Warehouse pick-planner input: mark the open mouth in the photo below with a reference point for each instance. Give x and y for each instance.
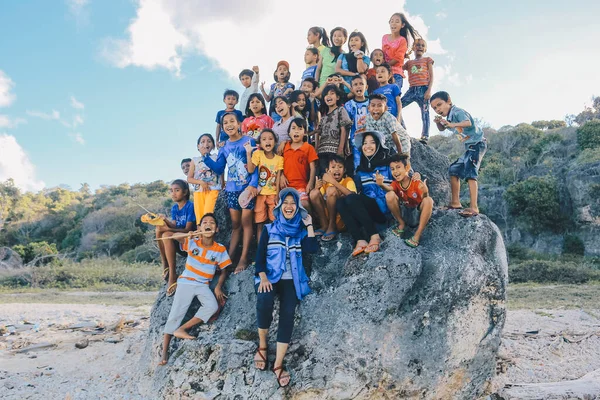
(288, 211)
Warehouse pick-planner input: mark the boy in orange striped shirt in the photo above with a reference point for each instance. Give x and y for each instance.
(204, 257)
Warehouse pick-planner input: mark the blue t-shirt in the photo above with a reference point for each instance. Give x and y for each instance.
(470, 135)
(357, 111)
(183, 216)
(233, 156)
(240, 116)
(345, 66)
(390, 91)
(309, 72)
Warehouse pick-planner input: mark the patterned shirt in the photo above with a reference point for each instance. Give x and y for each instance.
(203, 173)
(418, 71)
(387, 125)
(202, 262)
(331, 128)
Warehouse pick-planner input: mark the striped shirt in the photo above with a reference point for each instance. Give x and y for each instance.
(202, 262)
(418, 71)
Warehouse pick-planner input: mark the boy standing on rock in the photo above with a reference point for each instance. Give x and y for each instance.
(204, 257)
(460, 122)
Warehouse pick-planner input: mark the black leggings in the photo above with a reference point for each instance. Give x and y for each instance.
(360, 213)
(286, 291)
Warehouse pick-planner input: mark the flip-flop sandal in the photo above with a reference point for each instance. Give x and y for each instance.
(372, 248)
(467, 213)
(166, 273)
(171, 289)
(358, 250)
(398, 232)
(451, 208)
(411, 242)
(320, 232)
(278, 375)
(263, 359)
(329, 236)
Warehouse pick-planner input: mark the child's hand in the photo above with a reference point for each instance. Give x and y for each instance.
(307, 220)
(220, 144)
(283, 182)
(255, 69)
(318, 183)
(294, 105)
(328, 178)
(204, 186)
(248, 147)
(309, 188)
(262, 86)
(219, 294)
(264, 286)
(378, 178)
(253, 191)
(427, 95)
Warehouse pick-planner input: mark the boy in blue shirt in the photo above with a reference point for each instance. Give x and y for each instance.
(358, 109)
(230, 98)
(462, 124)
(311, 58)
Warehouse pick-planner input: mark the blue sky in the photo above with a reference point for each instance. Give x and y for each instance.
(106, 92)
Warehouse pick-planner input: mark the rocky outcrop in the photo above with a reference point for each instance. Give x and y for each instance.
(10, 259)
(435, 166)
(402, 323)
(583, 185)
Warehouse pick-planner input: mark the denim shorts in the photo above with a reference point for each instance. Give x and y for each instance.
(234, 204)
(467, 166)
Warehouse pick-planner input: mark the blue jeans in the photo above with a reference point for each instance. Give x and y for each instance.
(286, 291)
(398, 80)
(467, 166)
(417, 93)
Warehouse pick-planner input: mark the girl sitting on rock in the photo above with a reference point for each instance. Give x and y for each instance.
(279, 270)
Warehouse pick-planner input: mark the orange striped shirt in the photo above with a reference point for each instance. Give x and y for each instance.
(418, 71)
(202, 262)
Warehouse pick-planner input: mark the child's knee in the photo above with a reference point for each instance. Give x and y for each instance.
(427, 203)
(331, 192)
(391, 198)
(314, 195)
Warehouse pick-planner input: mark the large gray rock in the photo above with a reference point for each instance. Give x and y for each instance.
(10, 259)
(583, 185)
(434, 165)
(402, 323)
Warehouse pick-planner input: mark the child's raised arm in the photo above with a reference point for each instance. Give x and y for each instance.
(255, 79)
(219, 165)
(252, 163)
(265, 94)
(379, 180)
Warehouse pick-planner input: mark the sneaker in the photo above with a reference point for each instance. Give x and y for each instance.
(424, 140)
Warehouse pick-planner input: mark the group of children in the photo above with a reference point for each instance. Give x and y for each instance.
(339, 140)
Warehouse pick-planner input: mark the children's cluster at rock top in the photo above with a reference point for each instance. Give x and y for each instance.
(335, 152)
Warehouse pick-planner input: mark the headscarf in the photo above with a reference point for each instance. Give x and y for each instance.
(368, 164)
(292, 227)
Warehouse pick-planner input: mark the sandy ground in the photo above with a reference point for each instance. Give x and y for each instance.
(538, 346)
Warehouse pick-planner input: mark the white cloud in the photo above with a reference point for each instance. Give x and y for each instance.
(8, 122)
(77, 120)
(77, 137)
(164, 32)
(6, 85)
(79, 10)
(76, 104)
(441, 15)
(54, 115)
(15, 164)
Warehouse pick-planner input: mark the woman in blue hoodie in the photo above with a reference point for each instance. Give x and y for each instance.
(360, 212)
(279, 270)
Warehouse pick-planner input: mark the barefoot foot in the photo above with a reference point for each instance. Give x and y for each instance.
(181, 334)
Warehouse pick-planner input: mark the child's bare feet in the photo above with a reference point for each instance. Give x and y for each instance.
(164, 360)
(242, 265)
(182, 334)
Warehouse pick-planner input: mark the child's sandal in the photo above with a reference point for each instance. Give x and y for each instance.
(411, 242)
(398, 232)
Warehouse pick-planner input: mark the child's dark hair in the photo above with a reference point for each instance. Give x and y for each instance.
(229, 113)
(388, 67)
(399, 157)
(406, 30)
(314, 50)
(378, 96)
(282, 98)
(444, 96)
(314, 82)
(233, 93)
(365, 47)
(299, 122)
(188, 159)
(246, 72)
(324, 109)
(322, 33)
(260, 98)
(374, 50)
(338, 159)
(267, 130)
(206, 135)
(183, 185)
(337, 50)
(210, 215)
(358, 76)
(294, 99)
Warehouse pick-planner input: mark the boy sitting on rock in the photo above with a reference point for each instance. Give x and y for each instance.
(407, 198)
(204, 257)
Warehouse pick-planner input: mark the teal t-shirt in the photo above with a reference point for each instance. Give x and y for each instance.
(470, 135)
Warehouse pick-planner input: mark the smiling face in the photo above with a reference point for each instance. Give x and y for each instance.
(282, 108)
(441, 107)
(230, 101)
(419, 47)
(383, 75)
(377, 108)
(289, 207)
(209, 224)
(396, 24)
(358, 86)
(231, 125)
(301, 101)
(296, 133)
(246, 81)
(281, 73)
(177, 193)
(331, 98)
(267, 141)
(369, 146)
(338, 38)
(336, 170)
(399, 171)
(256, 106)
(377, 57)
(355, 44)
(206, 145)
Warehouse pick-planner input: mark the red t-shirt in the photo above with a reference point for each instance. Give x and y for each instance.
(253, 126)
(412, 196)
(296, 165)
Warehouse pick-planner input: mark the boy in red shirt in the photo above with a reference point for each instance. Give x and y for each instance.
(407, 198)
(299, 162)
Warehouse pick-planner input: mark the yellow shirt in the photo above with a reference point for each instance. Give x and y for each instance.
(346, 182)
(267, 171)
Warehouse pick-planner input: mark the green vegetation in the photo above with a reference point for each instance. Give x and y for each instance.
(527, 296)
(588, 135)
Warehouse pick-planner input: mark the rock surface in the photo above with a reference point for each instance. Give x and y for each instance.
(402, 323)
(10, 259)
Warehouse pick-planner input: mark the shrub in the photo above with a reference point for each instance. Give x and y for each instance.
(589, 156)
(544, 271)
(573, 245)
(36, 250)
(588, 135)
(535, 203)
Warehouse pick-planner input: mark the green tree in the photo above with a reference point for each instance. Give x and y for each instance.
(588, 135)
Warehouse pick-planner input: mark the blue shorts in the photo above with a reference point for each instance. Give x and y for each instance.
(467, 166)
(233, 203)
